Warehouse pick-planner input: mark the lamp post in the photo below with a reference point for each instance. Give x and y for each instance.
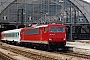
(75, 36)
(21, 16)
(41, 16)
(70, 22)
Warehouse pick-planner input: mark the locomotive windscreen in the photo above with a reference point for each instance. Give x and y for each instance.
(56, 29)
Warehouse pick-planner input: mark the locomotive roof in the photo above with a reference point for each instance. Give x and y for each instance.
(40, 26)
(34, 26)
(37, 26)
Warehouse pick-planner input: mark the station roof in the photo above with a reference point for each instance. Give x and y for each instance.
(87, 1)
(4, 4)
(83, 5)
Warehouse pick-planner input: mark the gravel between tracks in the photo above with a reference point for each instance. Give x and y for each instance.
(42, 53)
(13, 55)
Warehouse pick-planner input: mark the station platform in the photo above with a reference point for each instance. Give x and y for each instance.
(80, 45)
(83, 41)
(82, 48)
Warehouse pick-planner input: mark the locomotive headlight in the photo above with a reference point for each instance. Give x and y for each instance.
(50, 39)
(64, 39)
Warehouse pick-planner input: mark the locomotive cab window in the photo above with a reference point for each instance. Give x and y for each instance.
(56, 29)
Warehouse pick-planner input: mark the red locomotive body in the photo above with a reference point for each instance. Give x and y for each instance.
(51, 35)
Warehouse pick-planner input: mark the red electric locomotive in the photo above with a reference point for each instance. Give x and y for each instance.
(51, 36)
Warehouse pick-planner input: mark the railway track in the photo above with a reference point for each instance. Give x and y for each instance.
(74, 54)
(29, 54)
(5, 57)
(40, 56)
(78, 55)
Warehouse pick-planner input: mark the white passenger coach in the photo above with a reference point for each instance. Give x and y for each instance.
(12, 35)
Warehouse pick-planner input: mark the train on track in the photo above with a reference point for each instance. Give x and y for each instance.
(49, 36)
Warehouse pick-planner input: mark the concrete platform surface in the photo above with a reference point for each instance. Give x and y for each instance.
(78, 45)
(83, 41)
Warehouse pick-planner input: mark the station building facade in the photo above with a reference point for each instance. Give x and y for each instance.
(68, 12)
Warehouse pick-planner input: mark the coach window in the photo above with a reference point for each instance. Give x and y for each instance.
(18, 34)
(15, 34)
(8, 35)
(5, 35)
(12, 35)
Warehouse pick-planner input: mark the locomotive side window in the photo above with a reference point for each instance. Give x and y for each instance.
(32, 31)
(56, 29)
(45, 29)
